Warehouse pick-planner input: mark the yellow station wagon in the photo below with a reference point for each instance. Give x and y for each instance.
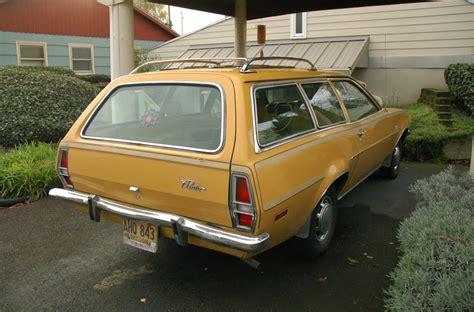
(234, 155)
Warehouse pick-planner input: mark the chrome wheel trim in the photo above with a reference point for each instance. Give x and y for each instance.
(396, 158)
(324, 218)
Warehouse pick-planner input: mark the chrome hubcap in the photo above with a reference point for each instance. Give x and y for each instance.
(396, 158)
(324, 218)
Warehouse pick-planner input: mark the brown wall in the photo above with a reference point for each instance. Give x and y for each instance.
(70, 17)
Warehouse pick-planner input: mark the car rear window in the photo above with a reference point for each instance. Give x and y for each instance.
(184, 116)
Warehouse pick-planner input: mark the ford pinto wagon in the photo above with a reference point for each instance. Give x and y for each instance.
(235, 155)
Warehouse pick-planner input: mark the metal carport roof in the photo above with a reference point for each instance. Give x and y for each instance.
(344, 53)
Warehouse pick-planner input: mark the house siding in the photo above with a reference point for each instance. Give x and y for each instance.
(58, 48)
(86, 18)
(409, 44)
(401, 36)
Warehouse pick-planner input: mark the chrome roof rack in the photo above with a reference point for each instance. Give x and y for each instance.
(245, 67)
(242, 62)
(212, 62)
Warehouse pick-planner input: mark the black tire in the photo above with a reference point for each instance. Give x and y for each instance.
(323, 224)
(394, 169)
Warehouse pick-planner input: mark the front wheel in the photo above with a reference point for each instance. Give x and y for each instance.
(392, 171)
(323, 224)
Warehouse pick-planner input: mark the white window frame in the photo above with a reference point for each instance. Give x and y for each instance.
(82, 45)
(293, 33)
(44, 45)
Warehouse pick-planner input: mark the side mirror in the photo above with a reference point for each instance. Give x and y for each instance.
(379, 100)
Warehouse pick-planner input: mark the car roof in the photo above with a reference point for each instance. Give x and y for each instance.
(258, 74)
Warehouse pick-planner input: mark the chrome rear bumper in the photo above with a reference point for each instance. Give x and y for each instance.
(181, 226)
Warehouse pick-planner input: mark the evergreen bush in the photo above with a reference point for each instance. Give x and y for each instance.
(460, 80)
(40, 103)
(436, 269)
(95, 78)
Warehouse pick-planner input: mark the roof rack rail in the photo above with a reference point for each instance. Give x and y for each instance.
(242, 62)
(245, 67)
(213, 62)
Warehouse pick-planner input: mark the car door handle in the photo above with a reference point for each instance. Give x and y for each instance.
(361, 133)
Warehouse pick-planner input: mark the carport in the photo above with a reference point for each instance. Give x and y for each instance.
(121, 20)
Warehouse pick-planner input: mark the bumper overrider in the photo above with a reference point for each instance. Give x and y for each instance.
(181, 226)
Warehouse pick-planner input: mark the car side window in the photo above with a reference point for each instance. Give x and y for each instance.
(280, 113)
(325, 103)
(357, 104)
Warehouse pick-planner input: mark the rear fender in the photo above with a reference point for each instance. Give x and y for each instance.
(338, 180)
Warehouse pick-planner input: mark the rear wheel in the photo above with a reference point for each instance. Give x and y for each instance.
(392, 171)
(323, 224)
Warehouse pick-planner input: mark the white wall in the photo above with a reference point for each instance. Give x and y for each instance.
(402, 38)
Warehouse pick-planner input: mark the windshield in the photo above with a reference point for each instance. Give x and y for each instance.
(188, 116)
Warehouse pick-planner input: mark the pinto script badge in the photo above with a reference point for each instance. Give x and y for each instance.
(190, 185)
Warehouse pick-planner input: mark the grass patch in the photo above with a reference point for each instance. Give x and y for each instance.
(27, 170)
(428, 136)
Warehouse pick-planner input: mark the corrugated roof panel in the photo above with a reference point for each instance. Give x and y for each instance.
(225, 52)
(315, 51)
(350, 54)
(211, 53)
(330, 55)
(253, 51)
(299, 50)
(281, 50)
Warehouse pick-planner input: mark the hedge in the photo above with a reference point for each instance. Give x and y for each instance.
(436, 269)
(40, 103)
(460, 80)
(428, 135)
(28, 170)
(95, 78)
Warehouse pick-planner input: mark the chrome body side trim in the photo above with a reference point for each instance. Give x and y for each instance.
(293, 192)
(179, 159)
(203, 231)
(300, 148)
(158, 82)
(375, 143)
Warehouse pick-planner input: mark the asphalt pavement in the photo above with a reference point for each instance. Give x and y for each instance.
(53, 258)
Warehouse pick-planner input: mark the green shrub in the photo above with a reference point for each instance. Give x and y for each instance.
(428, 136)
(95, 78)
(460, 80)
(436, 269)
(27, 170)
(40, 103)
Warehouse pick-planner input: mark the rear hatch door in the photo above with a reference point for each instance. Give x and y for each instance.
(164, 145)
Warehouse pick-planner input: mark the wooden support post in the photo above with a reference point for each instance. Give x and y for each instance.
(240, 20)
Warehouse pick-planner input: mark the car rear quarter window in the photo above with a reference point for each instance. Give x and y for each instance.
(186, 116)
(280, 113)
(325, 103)
(357, 104)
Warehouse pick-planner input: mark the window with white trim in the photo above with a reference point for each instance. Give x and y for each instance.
(298, 25)
(81, 58)
(32, 53)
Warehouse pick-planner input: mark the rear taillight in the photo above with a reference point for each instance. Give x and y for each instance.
(242, 207)
(63, 168)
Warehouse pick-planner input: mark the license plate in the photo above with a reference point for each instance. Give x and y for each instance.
(140, 234)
